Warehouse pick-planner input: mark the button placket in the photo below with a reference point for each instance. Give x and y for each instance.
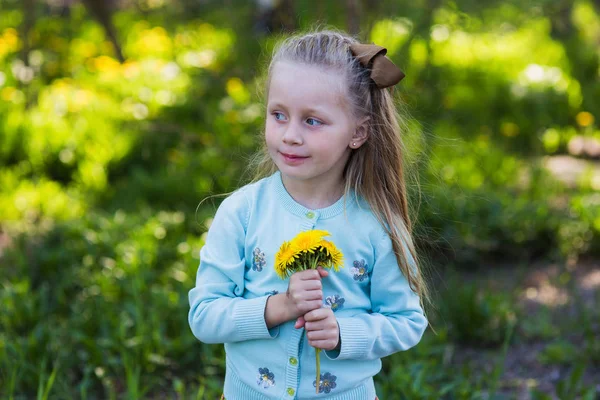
(293, 348)
(310, 220)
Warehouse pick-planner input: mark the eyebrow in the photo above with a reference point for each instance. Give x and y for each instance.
(309, 110)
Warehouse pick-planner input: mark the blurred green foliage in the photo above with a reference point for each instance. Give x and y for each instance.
(104, 164)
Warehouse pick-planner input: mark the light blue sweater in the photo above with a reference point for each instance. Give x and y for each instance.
(377, 313)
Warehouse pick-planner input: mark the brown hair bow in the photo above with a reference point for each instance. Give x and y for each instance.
(383, 71)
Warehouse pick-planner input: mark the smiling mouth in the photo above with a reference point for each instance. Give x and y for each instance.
(293, 156)
(293, 159)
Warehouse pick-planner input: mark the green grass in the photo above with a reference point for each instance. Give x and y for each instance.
(89, 331)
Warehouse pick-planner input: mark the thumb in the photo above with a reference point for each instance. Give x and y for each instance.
(299, 323)
(322, 272)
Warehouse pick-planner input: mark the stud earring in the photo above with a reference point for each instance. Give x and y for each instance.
(353, 144)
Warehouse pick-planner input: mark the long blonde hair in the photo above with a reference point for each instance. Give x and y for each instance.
(375, 171)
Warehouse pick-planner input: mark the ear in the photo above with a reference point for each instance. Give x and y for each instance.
(361, 133)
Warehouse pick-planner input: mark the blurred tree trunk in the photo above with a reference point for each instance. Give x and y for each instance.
(422, 28)
(560, 19)
(430, 73)
(353, 8)
(582, 57)
(102, 11)
(26, 26)
(321, 11)
(275, 16)
(371, 13)
(286, 16)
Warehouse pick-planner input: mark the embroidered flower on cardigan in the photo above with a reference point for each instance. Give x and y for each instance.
(327, 383)
(258, 260)
(359, 271)
(335, 302)
(265, 378)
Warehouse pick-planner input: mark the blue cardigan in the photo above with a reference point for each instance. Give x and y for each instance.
(377, 313)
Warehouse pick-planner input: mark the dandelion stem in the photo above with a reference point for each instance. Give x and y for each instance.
(318, 351)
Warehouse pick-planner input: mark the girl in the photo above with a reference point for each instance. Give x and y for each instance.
(332, 160)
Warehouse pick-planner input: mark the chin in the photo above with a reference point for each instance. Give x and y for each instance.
(293, 174)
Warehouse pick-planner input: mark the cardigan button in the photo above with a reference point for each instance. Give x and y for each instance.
(290, 391)
(310, 214)
(293, 360)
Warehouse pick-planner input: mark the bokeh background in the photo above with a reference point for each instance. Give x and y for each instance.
(118, 117)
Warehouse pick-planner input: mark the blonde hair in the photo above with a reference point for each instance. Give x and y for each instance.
(375, 171)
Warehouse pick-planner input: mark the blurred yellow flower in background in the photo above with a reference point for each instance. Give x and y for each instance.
(584, 119)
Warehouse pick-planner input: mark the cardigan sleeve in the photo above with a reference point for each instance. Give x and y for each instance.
(396, 321)
(218, 312)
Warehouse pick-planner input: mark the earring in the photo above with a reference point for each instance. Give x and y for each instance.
(353, 144)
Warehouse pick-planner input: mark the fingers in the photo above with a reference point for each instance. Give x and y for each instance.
(298, 294)
(322, 330)
(312, 284)
(320, 335)
(318, 314)
(313, 320)
(307, 280)
(305, 292)
(328, 344)
(322, 272)
(299, 323)
(309, 274)
(306, 306)
(299, 282)
(321, 319)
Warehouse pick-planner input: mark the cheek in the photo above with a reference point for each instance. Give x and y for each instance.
(271, 141)
(269, 132)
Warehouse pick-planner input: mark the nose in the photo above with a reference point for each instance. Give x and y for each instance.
(292, 135)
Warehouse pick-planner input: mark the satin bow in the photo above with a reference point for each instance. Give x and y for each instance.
(383, 71)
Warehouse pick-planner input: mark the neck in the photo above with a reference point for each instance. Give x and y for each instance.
(314, 194)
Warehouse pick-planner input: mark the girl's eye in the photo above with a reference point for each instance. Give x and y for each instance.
(313, 122)
(278, 116)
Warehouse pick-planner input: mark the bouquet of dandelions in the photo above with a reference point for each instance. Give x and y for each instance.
(308, 250)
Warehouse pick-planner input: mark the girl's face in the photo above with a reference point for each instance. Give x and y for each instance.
(309, 126)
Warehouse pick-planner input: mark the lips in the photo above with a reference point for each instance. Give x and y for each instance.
(293, 159)
(293, 156)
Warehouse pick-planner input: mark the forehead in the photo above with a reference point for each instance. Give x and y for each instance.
(296, 84)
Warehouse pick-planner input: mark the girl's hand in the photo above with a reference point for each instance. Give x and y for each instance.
(305, 291)
(322, 329)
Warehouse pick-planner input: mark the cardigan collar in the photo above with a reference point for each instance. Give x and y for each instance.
(298, 209)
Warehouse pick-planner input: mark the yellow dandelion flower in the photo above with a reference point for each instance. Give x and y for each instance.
(284, 258)
(337, 259)
(334, 255)
(308, 241)
(327, 247)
